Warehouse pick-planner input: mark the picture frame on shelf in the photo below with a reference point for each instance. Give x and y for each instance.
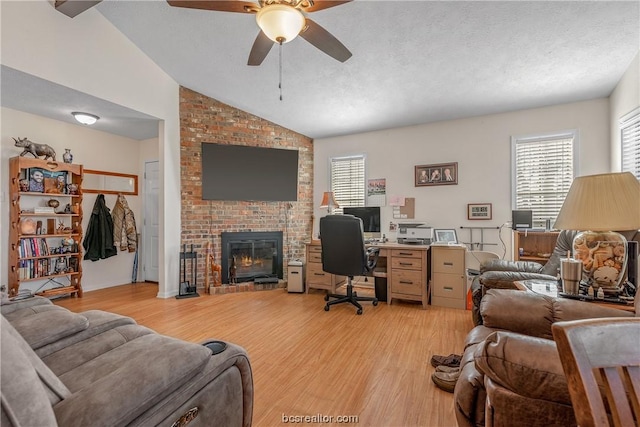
(36, 180)
(55, 182)
(436, 174)
(446, 235)
(481, 211)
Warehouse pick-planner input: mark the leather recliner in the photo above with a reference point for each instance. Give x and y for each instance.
(511, 372)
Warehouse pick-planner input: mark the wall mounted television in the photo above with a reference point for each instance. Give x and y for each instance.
(370, 216)
(240, 172)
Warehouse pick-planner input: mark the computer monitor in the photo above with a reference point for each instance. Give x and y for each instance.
(521, 219)
(370, 216)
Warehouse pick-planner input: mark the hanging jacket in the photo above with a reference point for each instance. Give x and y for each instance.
(98, 243)
(124, 225)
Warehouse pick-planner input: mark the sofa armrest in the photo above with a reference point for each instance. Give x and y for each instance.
(9, 306)
(504, 265)
(506, 279)
(527, 366)
(533, 314)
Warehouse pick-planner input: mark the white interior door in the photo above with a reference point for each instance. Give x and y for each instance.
(151, 220)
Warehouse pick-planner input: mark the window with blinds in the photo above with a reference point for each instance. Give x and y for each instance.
(544, 169)
(630, 138)
(348, 181)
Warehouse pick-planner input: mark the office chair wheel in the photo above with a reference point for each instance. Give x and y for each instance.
(326, 298)
(326, 307)
(374, 302)
(359, 311)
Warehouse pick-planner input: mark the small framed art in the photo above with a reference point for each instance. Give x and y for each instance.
(479, 211)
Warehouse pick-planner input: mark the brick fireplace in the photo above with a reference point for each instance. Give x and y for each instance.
(203, 119)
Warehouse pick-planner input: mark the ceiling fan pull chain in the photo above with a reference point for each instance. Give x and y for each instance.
(280, 69)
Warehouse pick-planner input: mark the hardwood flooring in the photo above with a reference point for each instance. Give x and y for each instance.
(306, 361)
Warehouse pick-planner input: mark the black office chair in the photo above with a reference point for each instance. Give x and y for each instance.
(344, 253)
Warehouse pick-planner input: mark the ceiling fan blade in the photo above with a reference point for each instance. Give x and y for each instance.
(261, 47)
(324, 4)
(218, 5)
(325, 41)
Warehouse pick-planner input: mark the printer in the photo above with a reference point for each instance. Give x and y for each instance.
(415, 233)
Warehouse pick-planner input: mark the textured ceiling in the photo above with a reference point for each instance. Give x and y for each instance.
(413, 61)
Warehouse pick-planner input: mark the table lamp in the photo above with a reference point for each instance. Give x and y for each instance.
(329, 202)
(596, 205)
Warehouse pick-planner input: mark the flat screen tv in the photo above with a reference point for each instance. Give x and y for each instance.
(239, 172)
(370, 216)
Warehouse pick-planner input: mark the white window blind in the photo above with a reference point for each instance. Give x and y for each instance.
(347, 181)
(543, 173)
(630, 137)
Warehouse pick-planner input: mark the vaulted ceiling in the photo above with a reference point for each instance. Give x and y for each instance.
(413, 61)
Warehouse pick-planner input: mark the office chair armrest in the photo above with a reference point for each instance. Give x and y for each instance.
(372, 258)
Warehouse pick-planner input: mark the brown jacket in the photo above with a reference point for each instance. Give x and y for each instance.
(125, 235)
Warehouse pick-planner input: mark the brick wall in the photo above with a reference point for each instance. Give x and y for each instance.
(203, 119)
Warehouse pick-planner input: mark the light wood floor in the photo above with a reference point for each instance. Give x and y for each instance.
(306, 361)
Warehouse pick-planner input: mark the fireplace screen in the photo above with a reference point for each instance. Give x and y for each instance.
(248, 256)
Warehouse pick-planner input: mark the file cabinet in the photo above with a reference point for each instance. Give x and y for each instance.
(448, 276)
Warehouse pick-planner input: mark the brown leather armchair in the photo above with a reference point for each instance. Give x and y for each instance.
(501, 274)
(511, 373)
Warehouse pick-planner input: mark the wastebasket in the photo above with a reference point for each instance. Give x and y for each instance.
(381, 288)
(295, 276)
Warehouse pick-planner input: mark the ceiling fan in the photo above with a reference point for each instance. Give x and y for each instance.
(280, 21)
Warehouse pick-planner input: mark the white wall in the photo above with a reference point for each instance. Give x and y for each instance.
(624, 99)
(88, 54)
(480, 145)
(117, 154)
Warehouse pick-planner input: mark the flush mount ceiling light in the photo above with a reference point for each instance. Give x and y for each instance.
(85, 118)
(279, 22)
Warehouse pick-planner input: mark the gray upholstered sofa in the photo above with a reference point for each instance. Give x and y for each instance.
(102, 369)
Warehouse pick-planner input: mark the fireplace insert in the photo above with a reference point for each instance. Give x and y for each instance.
(251, 256)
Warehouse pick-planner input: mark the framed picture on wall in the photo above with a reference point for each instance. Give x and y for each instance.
(479, 211)
(436, 174)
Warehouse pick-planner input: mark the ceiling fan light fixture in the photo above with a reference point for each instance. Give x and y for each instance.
(85, 118)
(279, 22)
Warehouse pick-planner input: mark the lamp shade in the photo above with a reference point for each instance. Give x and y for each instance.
(85, 118)
(603, 202)
(328, 201)
(279, 22)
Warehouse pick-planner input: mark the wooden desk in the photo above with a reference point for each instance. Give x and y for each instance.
(407, 271)
(406, 268)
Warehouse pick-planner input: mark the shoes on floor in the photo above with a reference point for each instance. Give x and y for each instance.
(446, 380)
(448, 369)
(452, 360)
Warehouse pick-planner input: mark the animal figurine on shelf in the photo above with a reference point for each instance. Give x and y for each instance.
(35, 149)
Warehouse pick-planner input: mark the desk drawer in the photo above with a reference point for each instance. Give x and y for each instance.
(445, 260)
(407, 282)
(448, 285)
(407, 263)
(315, 275)
(408, 253)
(315, 257)
(315, 249)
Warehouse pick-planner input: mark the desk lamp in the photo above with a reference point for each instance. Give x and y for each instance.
(596, 205)
(329, 202)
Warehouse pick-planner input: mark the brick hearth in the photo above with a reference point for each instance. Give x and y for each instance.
(246, 287)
